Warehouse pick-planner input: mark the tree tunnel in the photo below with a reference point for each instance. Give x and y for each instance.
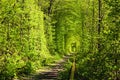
(72, 44)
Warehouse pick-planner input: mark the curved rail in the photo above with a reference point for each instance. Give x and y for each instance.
(72, 69)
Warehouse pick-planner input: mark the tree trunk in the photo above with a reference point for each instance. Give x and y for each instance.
(99, 23)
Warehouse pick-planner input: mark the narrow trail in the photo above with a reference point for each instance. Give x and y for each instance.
(53, 72)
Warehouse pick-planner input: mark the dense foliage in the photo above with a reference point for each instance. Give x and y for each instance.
(33, 32)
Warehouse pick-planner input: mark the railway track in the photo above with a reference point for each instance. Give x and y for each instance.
(53, 73)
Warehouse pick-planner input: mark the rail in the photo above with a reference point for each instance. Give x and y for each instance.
(72, 71)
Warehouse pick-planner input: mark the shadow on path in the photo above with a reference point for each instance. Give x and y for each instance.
(52, 73)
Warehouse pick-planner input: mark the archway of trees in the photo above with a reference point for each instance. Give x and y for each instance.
(72, 41)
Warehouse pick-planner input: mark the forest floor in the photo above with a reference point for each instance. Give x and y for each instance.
(51, 72)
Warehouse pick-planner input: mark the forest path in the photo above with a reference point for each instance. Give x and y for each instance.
(53, 72)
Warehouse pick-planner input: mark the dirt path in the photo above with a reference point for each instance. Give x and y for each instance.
(52, 73)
